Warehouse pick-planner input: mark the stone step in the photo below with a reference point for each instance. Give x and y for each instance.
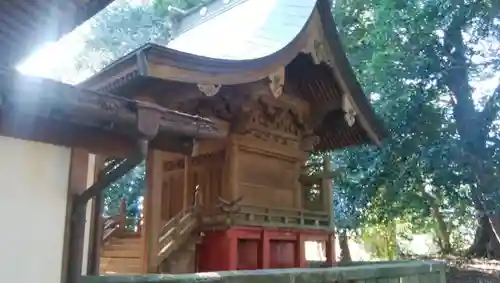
(114, 251)
(112, 265)
(125, 241)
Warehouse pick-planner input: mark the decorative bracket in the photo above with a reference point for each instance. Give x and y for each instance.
(317, 46)
(308, 142)
(229, 206)
(276, 82)
(350, 113)
(148, 119)
(209, 89)
(320, 52)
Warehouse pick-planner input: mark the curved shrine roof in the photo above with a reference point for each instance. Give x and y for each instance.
(292, 42)
(242, 29)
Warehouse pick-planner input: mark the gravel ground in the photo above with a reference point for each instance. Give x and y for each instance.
(473, 271)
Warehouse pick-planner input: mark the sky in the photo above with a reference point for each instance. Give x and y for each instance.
(242, 41)
(53, 59)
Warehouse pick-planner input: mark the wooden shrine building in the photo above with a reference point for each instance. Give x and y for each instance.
(282, 88)
(225, 130)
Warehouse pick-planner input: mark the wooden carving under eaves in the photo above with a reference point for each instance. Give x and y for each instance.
(270, 120)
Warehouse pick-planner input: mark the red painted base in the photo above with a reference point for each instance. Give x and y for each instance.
(245, 248)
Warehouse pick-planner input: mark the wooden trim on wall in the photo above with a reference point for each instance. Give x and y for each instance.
(77, 183)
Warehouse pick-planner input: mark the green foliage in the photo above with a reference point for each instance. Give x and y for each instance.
(406, 55)
(129, 187)
(381, 241)
(124, 26)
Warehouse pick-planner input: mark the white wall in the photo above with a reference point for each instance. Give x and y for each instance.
(34, 186)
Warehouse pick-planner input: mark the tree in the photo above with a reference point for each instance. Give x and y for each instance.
(419, 61)
(124, 26)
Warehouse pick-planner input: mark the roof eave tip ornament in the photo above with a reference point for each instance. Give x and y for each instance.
(173, 9)
(317, 46)
(209, 89)
(320, 53)
(350, 113)
(277, 82)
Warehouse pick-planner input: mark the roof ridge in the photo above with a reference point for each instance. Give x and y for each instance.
(203, 13)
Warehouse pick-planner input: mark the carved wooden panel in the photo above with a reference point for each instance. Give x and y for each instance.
(172, 196)
(266, 171)
(273, 122)
(266, 180)
(204, 170)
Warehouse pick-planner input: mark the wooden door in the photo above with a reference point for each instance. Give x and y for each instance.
(282, 254)
(248, 254)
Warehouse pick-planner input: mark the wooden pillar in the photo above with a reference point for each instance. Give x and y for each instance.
(299, 194)
(232, 183)
(96, 227)
(232, 244)
(265, 250)
(300, 252)
(328, 204)
(123, 216)
(152, 211)
(330, 250)
(186, 190)
(327, 189)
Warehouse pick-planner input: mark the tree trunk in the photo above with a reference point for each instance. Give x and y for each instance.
(443, 233)
(481, 238)
(487, 237)
(493, 248)
(345, 252)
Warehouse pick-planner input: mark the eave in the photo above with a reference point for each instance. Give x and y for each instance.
(48, 111)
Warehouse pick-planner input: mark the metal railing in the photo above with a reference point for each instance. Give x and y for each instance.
(401, 272)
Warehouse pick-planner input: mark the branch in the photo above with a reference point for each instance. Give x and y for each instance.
(456, 76)
(490, 111)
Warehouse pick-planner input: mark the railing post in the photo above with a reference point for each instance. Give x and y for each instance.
(123, 215)
(139, 224)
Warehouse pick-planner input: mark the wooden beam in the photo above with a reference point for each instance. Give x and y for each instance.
(304, 178)
(93, 140)
(40, 109)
